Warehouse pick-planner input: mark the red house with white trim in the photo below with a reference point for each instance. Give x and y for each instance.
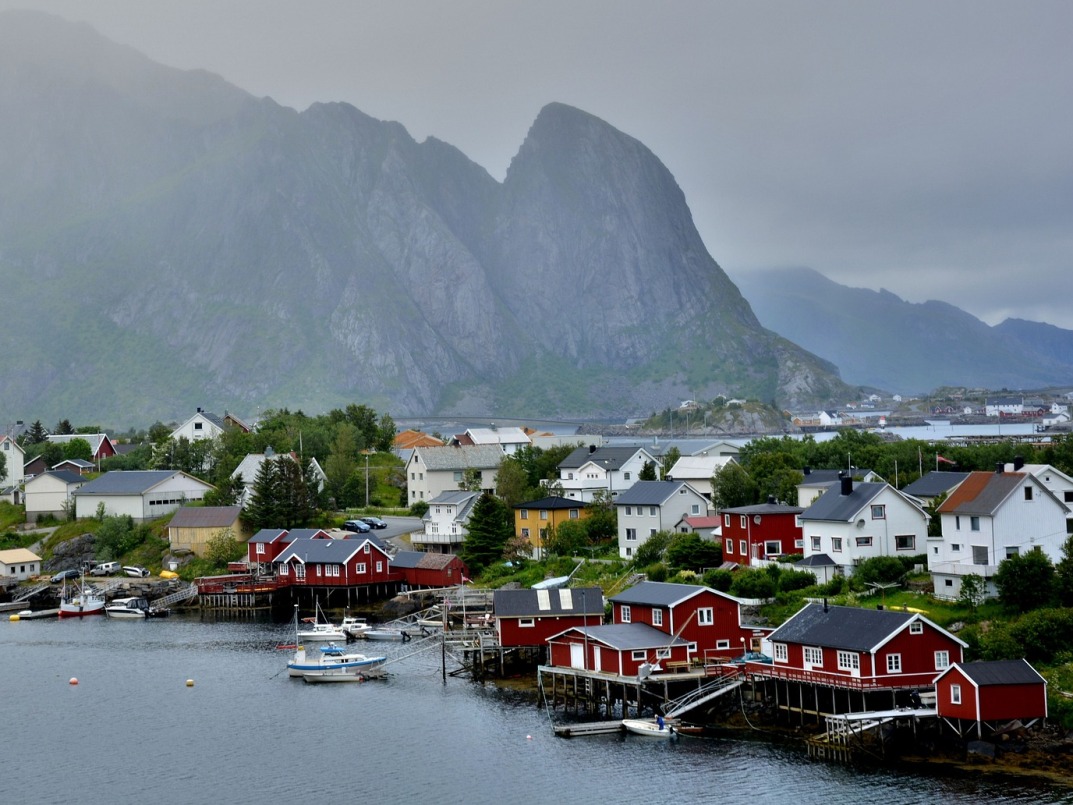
(316, 562)
(861, 649)
(268, 543)
(708, 620)
(990, 693)
(424, 569)
(620, 648)
(764, 531)
(530, 617)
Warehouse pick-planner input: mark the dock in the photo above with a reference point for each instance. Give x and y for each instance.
(37, 613)
(589, 728)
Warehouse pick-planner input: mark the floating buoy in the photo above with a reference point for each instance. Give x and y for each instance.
(74, 680)
(528, 737)
(12, 618)
(190, 683)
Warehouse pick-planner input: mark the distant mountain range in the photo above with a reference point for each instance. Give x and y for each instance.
(879, 340)
(169, 241)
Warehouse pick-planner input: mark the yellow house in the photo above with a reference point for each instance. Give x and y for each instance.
(533, 519)
(193, 527)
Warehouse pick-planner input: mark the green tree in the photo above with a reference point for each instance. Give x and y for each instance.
(668, 460)
(648, 472)
(37, 433)
(753, 583)
(385, 434)
(489, 527)
(63, 428)
(262, 509)
(1025, 582)
(690, 552)
(602, 522)
(1064, 574)
(732, 487)
(226, 493)
(879, 570)
(972, 591)
(471, 480)
(341, 464)
(223, 547)
(651, 550)
(567, 539)
(78, 449)
(512, 482)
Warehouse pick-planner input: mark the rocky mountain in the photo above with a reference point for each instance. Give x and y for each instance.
(879, 340)
(167, 240)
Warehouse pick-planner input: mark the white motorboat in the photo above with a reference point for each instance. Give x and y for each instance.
(650, 729)
(316, 630)
(127, 608)
(333, 663)
(354, 627)
(386, 633)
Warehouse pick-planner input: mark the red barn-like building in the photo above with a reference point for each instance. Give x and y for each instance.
(860, 649)
(708, 620)
(315, 562)
(764, 531)
(620, 648)
(421, 570)
(530, 617)
(268, 543)
(990, 693)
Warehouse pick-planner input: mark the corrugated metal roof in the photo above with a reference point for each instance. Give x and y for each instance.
(205, 517)
(650, 493)
(629, 636)
(833, 506)
(527, 603)
(846, 628)
(1001, 672)
(660, 593)
(935, 483)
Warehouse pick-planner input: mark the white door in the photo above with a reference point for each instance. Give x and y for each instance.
(596, 658)
(577, 655)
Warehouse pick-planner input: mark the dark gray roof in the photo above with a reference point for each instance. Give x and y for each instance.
(372, 538)
(129, 482)
(846, 628)
(77, 462)
(205, 517)
(66, 476)
(764, 508)
(660, 593)
(1001, 672)
(935, 483)
(322, 551)
(464, 457)
(552, 502)
(422, 559)
(817, 560)
(649, 493)
(267, 535)
(834, 506)
(304, 533)
(528, 603)
(628, 636)
(611, 457)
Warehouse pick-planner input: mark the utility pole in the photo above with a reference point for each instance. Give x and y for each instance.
(366, 480)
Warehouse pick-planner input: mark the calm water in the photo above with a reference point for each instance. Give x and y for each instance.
(132, 732)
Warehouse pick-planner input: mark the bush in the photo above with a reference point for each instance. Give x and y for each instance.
(880, 570)
(651, 551)
(836, 586)
(791, 580)
(419, 508)
(752, 583)
(656, 572)
(718, 579)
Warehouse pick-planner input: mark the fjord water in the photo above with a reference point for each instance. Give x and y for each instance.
(132, 731)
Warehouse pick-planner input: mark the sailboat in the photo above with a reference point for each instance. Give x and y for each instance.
(81, 601)
(316, 629)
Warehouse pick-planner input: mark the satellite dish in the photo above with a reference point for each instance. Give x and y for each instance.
(860, 523)
(756, 519)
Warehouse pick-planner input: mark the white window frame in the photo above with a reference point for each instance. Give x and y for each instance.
(849, 661)
(657, 617)
(836, 544)
(894, 663)
(768, 549)
(527, 623)
(625, 613)
(631, 534)
(780, 652)
(955, 694)
(359, 567)
(726, 521)
(942, 660)
(705, 616)
(722, 645)
(916, 627)
(812, 656)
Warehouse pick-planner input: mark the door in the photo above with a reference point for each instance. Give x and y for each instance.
(596, 658)
(577, 655)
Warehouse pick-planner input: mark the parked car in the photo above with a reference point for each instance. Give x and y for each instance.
(752, 656)
(105, 569)
(65, 574)
(357, 526)
(374, 522)
(135, 571)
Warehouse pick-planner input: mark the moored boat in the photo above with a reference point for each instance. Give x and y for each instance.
(354, 628)
(650, 729)
(81, 601)
(129, 608)
(317, 630)
(386, 633)
(332, 663)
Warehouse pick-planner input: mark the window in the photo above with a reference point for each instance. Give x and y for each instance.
(640, 654)
(726, 521)
(260, 548)
(626, 476)
(942, 660)
(1028, 493)
(284, 570)
(728, 545)
(651, 532)
(1012, 550)
(631, 534)
(625, 614)
(652, 511)
(629, 552)
(894, 663)
(879, 512)
(526, 623)
(974, 523)
(781, 654)
(916, 627)
(836, 544)
(197, 426)
(359, 568)
(379, 568)
(905, 542)
(863, 542)
(799, 543)
(705, 616)
(722, 645)
(525, 514)
(543, 514)
(772, 548)
(813, 657)
(629, 511)
(458, 476)
(955, 547)
(1067, 496)
(955, 694)
(657, 617)
(695, 508)
(743, 548)
(849, 661)
(663, 654)
(948, 582)
(815, 543)
(574, 514)
(525, 533)
(957, 522)
(744, 522)
(979, 554)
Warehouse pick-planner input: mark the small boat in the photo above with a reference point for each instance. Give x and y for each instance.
(127, 608)
(377, 633)
(318, 630)
(334, 661)
(650, 729)
(354, 628)
(81, 601)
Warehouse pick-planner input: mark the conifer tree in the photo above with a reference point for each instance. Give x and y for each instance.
(487, 532)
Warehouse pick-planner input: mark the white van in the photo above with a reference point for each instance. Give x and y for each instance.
(105, 569)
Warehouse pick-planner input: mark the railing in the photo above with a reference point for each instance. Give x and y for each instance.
(703, 694)
(173, 598)
(963, 569)
(25, 595)
(921, 679)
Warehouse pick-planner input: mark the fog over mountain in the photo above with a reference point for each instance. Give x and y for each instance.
(167, 240)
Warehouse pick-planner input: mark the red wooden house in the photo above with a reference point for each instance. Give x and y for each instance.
(268, 543)
(421, 570)
(990, 693)
(530, 617)
(708, 620)
(316, 562)
(860, 649)
(764, 531)
(620, 649)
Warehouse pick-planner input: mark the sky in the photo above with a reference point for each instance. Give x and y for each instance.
(921, 146)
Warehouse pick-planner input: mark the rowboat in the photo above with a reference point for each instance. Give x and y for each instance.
(650, 729)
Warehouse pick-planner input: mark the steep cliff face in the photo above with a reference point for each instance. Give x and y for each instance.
(183, 243)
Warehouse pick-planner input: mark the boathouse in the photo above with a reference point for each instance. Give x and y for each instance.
(708, 620)
(530, 617)
(315, 562)
(421, 570)
(621, 649)
(266, 545)
(988, 694)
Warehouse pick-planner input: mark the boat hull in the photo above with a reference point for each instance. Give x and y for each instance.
(648, 729)
(81, 610)
(125, 614)
(386, 634)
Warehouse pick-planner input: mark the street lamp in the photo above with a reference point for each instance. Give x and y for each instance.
(366, 480)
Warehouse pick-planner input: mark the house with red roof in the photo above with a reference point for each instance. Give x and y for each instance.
(421, 570)
(988, 694)
(990, 517)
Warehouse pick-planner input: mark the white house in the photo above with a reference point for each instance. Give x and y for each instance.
(203, 425)
(852, 522)
(1051, 477)
(432, 471)
(51, 493)
(251, 465)
(19, 564)
(611, 469)
(698, 470)
(990, 517)
(1004, 406)
(445, 522)
(651, 506)
(143, 494)
(816, 482)
(14, 458)
(511, 440)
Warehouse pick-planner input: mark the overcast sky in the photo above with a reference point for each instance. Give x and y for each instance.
(924, 146)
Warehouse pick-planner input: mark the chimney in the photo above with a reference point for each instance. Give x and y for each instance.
(199, 410)
(825, 605)
(847, 484)
(771, 500)
(807, 471)
(999, 467)
(1018, 463)
(592, 449)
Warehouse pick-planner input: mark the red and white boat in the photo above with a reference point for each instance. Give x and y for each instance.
(81, 601)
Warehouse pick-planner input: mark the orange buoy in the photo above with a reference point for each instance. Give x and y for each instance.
(74, 680)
